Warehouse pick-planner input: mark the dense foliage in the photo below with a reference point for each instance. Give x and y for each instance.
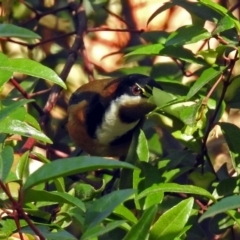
(171, 185)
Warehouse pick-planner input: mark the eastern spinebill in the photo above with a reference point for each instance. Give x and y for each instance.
(103, 114)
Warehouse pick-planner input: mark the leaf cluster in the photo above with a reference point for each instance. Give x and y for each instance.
(161, 193)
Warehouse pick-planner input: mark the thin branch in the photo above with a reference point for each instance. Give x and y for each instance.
(97, 29)
(81, 23)
(26, 95)
(17, 206)
(117, 17)
(211, 123)
(33, 45)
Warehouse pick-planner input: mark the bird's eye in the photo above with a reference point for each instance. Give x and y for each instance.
(136, 89)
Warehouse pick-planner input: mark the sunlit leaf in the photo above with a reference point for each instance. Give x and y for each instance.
(174, 187)
(186, 35)
(208, 75)
(141, 229)
(13, 126)
(31, 68)
(71, 166)
(171, 223)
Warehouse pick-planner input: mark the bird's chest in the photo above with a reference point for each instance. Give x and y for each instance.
(112, 126)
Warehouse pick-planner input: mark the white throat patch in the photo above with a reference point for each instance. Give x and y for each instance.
(112, 127)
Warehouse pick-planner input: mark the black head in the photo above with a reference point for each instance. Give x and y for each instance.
(136, 85)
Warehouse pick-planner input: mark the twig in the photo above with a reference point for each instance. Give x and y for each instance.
(26, 95)
(81, 23)
(211, 123)
(17, 206)
(116, 16)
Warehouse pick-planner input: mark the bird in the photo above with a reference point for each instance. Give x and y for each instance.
(103, 114)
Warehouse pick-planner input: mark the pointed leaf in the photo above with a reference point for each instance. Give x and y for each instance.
(141, 229)
(12, 126)
(222, 10)
(125, 213)
(105, 205)
(71, 166)
(186, 35)
(32, 68)
(174, 187)
(172, 222)
(59, 197)
(152, 50)
(224, 24)
(207, 76)
(142, 148)
(10, 30)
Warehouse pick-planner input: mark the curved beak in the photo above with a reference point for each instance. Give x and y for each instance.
(147, 90)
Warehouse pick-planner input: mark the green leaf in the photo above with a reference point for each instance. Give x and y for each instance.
(100, 230)
(10, 30)
(101, 208)
(186, 35)
(207, 76)
(182, 53)
(125, 213)
(152, 199)
(12, 107)
(59, 197)
(172, 174)
(32, 121)
(71, 166)
(12, 126)
(224, 24)
(222, 10)
(22, 168)
(172, 222)
(141, 229)
(203, 180)
(200, 10)
(6, 161)
(220, 223)
(32, 68)
(228, 186)
(231, 134)
(142, 147)
(224, 205)
(189, 114)
(209, 55)
(152, 50)
(178, 188)
(126, 179)
(59, 182)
